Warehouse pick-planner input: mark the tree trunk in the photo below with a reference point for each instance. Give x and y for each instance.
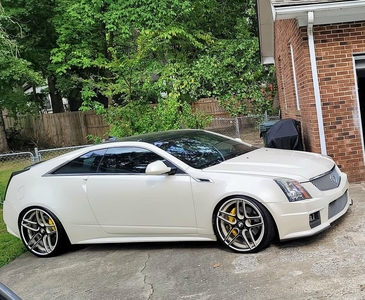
(56, 99)
(3, 141)
(107, 54)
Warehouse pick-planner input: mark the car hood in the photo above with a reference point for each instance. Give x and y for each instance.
(297, 165)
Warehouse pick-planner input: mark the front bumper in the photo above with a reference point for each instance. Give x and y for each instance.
(309, 217)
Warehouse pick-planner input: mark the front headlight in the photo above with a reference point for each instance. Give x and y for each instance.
(293, 190)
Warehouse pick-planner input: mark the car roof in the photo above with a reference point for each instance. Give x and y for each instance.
(162, 135)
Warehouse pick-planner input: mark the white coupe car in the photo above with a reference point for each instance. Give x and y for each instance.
(183, 185)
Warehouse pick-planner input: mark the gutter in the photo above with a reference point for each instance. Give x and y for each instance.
(317, 96)
(328, 6)
(335, 12)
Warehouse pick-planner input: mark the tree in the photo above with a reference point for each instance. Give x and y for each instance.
(36, 37)
(14, 72)
(167, 52)
(97, 42)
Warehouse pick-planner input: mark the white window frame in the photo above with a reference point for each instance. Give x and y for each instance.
(357, 60)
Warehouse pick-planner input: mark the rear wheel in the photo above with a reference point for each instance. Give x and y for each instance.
(42, 233)
(243, 224)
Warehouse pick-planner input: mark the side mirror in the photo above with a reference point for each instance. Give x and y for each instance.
(157, 168)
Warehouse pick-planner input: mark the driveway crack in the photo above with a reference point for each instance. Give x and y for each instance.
(145, 278)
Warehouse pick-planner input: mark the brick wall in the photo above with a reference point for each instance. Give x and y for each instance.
(287, 33)
(334, 46)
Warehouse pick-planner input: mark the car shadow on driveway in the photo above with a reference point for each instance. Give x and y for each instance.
(148, 246)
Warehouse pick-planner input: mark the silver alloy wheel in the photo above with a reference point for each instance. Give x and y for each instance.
(39, 232)
(240, 224)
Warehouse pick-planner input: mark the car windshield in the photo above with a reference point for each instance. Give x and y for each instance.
(200, 149)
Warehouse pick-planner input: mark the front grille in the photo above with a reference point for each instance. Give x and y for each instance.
(327, 181)
(337, 206)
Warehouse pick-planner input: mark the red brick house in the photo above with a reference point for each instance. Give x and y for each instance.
(318, 48)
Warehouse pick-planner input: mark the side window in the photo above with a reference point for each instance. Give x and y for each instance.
(85, 164)
(127, 160)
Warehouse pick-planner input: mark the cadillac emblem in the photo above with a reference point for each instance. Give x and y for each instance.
(333, 179)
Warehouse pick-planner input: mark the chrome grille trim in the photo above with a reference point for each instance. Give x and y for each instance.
(327, 181)
(337, 206)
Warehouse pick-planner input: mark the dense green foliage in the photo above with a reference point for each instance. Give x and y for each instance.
(14, 70)
(145, 61)
(36, 36)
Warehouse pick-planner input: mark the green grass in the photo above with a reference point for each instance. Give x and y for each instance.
(10, 246)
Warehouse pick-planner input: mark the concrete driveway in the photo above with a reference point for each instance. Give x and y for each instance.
(330, 265)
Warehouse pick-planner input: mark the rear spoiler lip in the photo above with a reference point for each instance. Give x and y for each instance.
(11, 177)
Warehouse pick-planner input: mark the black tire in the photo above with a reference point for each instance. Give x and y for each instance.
(42, 233)
(243, 224)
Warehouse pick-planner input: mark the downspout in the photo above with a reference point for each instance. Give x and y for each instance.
(317, 96)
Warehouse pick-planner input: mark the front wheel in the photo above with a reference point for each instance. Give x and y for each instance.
(243, 224)
(42, 233)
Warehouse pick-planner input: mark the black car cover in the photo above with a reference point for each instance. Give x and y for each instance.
(285, 134)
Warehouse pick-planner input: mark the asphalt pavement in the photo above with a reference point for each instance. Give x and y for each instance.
(330, 265)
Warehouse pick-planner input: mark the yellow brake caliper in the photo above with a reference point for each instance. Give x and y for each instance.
(231, 219)
(50, 222)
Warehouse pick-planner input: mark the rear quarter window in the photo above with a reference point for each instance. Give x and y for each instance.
(85, 164)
